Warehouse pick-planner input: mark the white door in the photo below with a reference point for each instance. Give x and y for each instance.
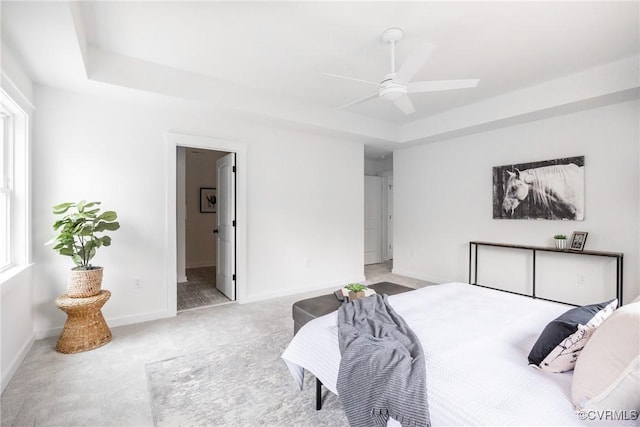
(389, 218)
(372, 219)
(226, 235)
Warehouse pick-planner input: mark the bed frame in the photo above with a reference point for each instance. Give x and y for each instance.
(473, 265)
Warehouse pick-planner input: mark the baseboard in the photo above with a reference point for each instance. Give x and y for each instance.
(139, 318)
(334, 284)
(419, 276)
(199, 266)
(114, 322)
(17, 361)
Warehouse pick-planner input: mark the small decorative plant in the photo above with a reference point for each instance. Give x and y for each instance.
(356, 291)
(77, 231)
(356, 287)
(561, 241)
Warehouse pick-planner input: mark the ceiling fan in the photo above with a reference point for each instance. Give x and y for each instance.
(396, 85)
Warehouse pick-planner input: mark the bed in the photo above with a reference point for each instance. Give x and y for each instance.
(476, 342)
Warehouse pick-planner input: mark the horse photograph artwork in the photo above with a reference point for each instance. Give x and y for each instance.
(551, 189)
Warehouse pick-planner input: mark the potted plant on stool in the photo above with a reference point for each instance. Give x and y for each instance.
(77, 238)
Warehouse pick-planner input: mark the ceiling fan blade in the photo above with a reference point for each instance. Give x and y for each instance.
(413, 64)
(405, 105)
(436, 85)
(358, 101)
(350, 78)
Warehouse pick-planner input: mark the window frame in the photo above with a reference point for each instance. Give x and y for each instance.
(6, 190)
(15, 186)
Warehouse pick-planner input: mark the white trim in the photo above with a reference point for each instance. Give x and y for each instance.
(112, 322)
(14, 91)
(413, 275)
(7, 168)
(181, 214)
(19, 218)
(173, 140)
(17, 361)
(9, 274)
(200, 265)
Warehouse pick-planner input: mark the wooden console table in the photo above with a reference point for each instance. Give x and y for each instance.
(474, 244)
(85, 328)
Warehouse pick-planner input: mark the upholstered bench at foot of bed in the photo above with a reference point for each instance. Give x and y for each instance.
(310, 308)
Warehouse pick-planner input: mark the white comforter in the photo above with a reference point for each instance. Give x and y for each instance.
(476, 343)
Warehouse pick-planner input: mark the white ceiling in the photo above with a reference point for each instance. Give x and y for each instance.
(276, 53)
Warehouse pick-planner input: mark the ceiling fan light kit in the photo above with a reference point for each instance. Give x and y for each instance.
(395, 86)
(391, 90)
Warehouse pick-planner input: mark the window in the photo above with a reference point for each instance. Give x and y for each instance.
(6, 144)
(14, 217)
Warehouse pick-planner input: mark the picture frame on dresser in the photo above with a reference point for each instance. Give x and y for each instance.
(578, 239)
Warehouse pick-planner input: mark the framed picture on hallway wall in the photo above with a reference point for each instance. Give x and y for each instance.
(208, 200)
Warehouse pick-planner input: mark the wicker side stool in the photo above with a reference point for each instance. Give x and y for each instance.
(85, 328)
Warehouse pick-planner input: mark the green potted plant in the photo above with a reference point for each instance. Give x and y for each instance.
(356, 291)
(80, 233)
(561, 241)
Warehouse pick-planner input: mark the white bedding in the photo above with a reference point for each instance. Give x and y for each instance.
(476, 343)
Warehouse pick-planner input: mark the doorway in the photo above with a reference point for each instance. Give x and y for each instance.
(205, 194)
(378, 218)
(173, 245)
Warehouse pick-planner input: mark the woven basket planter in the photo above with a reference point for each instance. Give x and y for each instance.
(84, 283)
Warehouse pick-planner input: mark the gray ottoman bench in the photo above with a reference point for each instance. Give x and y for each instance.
(310, 308)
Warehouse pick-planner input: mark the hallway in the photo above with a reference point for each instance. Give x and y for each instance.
(199, 290)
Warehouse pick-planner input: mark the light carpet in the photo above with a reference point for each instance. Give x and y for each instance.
(242, 384)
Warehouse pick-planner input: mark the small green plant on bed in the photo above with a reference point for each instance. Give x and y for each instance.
(355, 287)
(560, 237)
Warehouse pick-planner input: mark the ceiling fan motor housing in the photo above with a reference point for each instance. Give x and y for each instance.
(390, 90)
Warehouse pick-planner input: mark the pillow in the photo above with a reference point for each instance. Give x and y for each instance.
(607, 374)
(561, 341)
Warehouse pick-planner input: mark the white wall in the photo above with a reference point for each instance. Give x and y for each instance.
(201, 242)
(443, 192)
(302, 216)
(374, 167)
(16, 318)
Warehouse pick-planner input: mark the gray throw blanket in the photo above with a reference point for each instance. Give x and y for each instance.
(382, 371)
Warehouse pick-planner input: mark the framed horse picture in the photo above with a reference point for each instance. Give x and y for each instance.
(550, 189)
(208, 200)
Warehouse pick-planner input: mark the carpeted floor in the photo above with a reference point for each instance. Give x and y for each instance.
(200, 289)
(219, 365)
(247, 384)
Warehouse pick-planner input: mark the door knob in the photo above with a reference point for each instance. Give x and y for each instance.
(215, 231)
